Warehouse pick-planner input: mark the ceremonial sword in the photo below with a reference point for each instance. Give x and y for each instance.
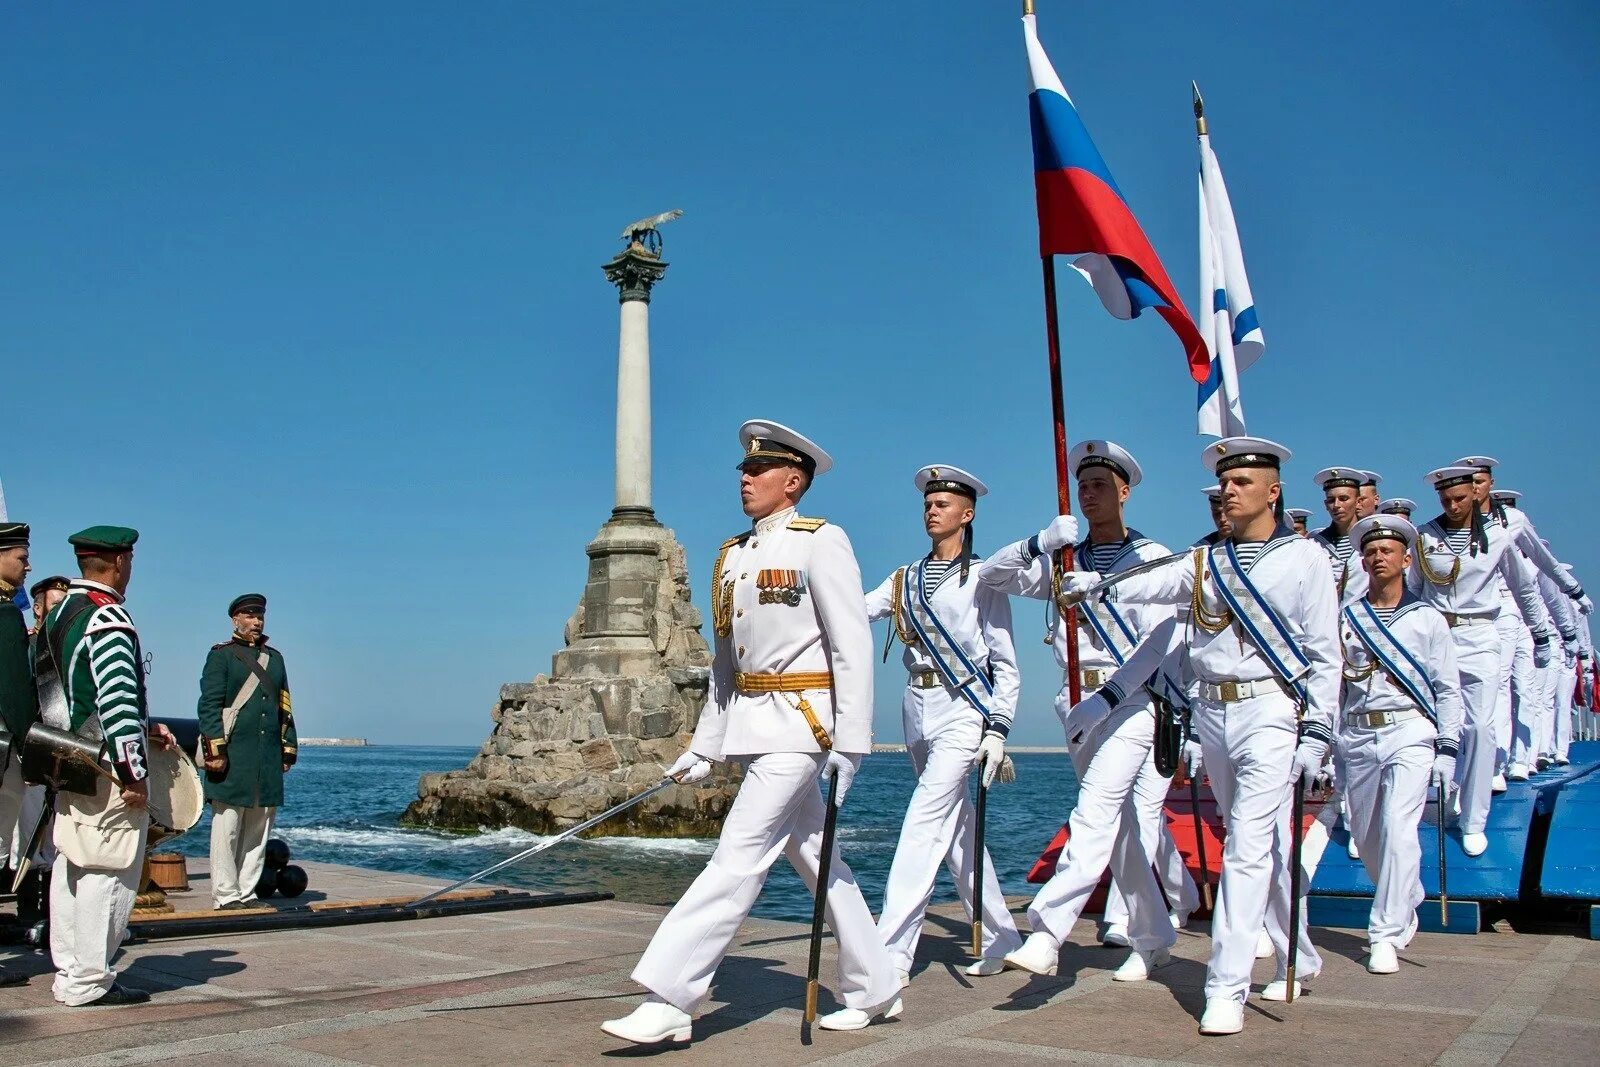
(977, 865)
(551, 843)
(1100, 588)
(820, 908)
(1444, 891)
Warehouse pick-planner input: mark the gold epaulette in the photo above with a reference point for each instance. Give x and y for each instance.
(805, 525)
(737, 539)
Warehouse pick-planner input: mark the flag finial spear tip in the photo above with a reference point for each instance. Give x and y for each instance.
(1199, 109)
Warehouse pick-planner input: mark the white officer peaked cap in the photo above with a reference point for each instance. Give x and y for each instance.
(1106, 454)
(1298, 513)
(1445, 477)
(1213, 492)
(1483, 463)
(1378, 527)
(1371, 478)
(943, 478)
(1505, 496)
(1339, 478)
(1231, 452)
(764, 439)
(1397, 503)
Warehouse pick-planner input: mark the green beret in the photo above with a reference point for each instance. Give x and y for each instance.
(13, 535)
(97, 539)
(248, 602)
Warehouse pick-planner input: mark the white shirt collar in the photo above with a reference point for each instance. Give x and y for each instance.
(775, 520)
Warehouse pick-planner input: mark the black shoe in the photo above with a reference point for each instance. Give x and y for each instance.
(118, 994)
(12, 978)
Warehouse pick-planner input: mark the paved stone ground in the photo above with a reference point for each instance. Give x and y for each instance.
(532, 987)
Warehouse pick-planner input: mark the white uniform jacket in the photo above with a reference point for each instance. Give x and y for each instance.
(1293, 575)
(978, 618)
(1475, 589)
(791, 590)
(1341, 553)
(1423, 632)
(1536, 552)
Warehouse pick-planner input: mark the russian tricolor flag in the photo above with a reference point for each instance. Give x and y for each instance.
(1082, 213)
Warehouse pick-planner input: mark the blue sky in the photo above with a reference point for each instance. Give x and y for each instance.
(312, 297)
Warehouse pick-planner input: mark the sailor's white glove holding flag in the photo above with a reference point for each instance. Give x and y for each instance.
(843, 766)
(1194, 756)
(991, 753)
(1062, 531)
(689, 768)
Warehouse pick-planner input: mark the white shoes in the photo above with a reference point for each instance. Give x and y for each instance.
(1474, 844)
(1264, 947)
(985, 968)
(1381, 958)
(857, 1019)
(1351, 850)
(1180, 919)
(1140, 964)
(1497, 784)
(1278, 990)
(654, 1020)
(1038, 955)
(1116, 936)
(1223, 1015)
(903, 976)
(1517, 772)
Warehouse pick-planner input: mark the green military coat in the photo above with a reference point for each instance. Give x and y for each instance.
(262, 740)
(19, 700)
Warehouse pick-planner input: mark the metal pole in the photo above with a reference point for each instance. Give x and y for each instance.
(1069, 618)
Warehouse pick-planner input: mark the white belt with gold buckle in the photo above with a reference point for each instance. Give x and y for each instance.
(1232, 691)
(926, 680)
(1374, 719)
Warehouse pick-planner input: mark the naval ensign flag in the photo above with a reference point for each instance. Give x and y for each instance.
(1231, 330)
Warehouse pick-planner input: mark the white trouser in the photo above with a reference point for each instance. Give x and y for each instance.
(1389, 768)
(779, 809)
(1565, 711)
(238, 850)
(942, 736)
(1104, 829)
(1150, 808)
(1517, 681)
(1249, 749)
(1533, 713)
(13, 835)
(1478, 659)
(89, 912)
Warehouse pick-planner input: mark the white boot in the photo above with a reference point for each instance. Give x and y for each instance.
(984, 968)
(1474, 844)
(857, 1019)
(1223, 1015)
(1038, 955)
(654, 1020)
(1140, 964)
(1264, 949)
(1381, 959)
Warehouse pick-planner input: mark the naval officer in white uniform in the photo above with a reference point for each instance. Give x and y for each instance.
(1399, 726)
(1109, 732)
(959, 703)
(791, 701)
(1263, 648)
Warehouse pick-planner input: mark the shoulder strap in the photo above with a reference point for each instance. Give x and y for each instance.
(1261, 623)
(1393, 656)
(50, 648)
(806, 525)
(256, 665)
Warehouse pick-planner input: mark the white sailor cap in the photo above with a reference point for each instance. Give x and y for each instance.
(1231, 452)
(1378, 527)
(1213, 492)
(1483, 463)
(763, 439)
(1106, 454)
(1456, 474)
(943, 478)
(1505, 496)
(1339, 478)
(1371, 478)
(1397, 503)
(1303, 514)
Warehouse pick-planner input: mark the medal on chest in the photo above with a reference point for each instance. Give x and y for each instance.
(780, 587)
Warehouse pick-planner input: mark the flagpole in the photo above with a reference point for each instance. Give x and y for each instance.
(1052, 330)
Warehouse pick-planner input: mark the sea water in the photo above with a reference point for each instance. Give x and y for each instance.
(343, 805)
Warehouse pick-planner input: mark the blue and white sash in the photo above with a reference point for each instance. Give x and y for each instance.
(1264, 626)
(954, 665)
(1393, 657)
(1115, 634)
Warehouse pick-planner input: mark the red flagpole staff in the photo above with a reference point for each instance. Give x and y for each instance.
(1052, 330)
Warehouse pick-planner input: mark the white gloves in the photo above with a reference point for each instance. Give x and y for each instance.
(689, 768)
(1541, 651)
(1445, 765)
(991, 753)
(1085, 715)
(1075, 583)
(1194, 756)
(1308, 755)
(1062, 531)
(843, 766)
(1585, 605)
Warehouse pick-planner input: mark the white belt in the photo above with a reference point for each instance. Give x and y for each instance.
(1373, 719)
(1467, 620)
(1090, 677)
(926, 680)
(1231, 691)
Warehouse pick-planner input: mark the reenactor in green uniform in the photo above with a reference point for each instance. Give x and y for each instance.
(247, 745)
(19, 700)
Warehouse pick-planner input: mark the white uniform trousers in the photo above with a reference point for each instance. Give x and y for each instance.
(1517, 681)
(1103, 829)
(238, 850)
(1478, 660)
(942, 734)
(1308, 961)
(1565, 712)
(13, 835)
(779, 809)
(89, 911)
(1389, 768)
(1150, 808)
(1249, 748)
(1533, 714)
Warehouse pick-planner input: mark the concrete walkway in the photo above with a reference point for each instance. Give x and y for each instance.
(532, 987)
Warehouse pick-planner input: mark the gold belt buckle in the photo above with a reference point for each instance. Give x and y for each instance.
(1229, 691)
(1452, 618)
(1092, 677)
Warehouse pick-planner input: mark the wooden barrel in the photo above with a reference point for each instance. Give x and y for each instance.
(169, 872)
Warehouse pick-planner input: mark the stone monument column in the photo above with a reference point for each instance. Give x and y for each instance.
(623, 696)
